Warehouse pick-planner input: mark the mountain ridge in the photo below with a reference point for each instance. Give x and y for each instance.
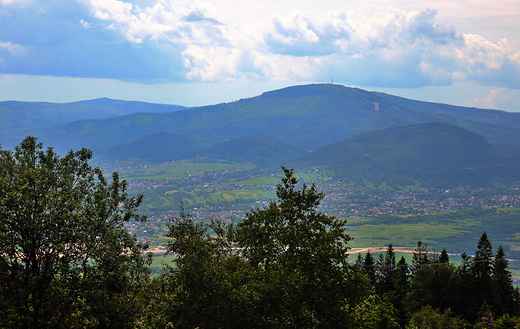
(16, 116)
(307, 117)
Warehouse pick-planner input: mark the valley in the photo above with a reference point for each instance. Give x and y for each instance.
(399, 170)
(377, 215)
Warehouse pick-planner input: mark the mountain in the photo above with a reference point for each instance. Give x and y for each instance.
(431, 154)
(306, 117)
(154, 148)
(20, 116)
(495, 117)
(259, 150)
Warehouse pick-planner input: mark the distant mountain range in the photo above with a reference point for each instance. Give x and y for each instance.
(359, 134)
(23, 116)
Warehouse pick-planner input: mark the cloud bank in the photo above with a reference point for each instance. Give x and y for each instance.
(176, 41)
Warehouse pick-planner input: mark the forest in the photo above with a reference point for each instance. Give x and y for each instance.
(67, 261)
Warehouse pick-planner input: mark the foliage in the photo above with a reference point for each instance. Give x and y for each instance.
(503, 292)
(373, 313)
(65, 258)
(432, 284)
(281, 267)
(291, 238)
(507, 322)
(292, 232)
(430, 318)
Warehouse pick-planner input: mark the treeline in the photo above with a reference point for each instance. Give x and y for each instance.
(66, 261)
(271, 284)
(432, 290)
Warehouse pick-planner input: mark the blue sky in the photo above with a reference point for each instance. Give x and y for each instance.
(463, 52)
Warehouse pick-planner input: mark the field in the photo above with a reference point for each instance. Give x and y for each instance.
(376, 216)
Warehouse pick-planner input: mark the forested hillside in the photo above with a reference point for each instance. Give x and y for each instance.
(306, 117)
(430, 154)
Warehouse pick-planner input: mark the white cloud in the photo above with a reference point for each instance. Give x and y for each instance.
(374, 47)
(8, 49)
(14, 49)
(500, 99)
(175, 40)
(479, 52)
(85, 24)
(178, 22)
(488, 63)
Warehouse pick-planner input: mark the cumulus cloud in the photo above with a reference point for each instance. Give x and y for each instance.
(174, 40)
(488, 63)
(499, 99)
(178, 22)
(64, 38)
(391, 48)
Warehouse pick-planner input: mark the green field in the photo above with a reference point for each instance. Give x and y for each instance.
(172, 170)
(403, 235)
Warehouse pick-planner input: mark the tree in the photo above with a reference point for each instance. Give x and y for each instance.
(428, 317)
(403, 270)
(420, 256)
(502, 283)
(293, 233)
(303, 255)
(388, 270)
(482, 269)
(432, 285)
(64, 253)
(444, 258)
(482, 262)
(210, 285)
(369, 267)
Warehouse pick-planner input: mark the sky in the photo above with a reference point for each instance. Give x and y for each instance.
(192, 53)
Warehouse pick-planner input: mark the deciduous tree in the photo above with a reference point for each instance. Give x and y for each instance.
(65, 258)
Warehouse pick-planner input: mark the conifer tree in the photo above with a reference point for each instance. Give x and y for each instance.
(388, 270)
(502, 284)
(402, 269)
(420, 256)
(482, 262)
(444, 258)
(369, 267)
(482, 269)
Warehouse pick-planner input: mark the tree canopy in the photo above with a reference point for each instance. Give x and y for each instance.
(65, 257)
(283, 266)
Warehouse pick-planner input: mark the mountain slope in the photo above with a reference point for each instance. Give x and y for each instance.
(306, 117)
(20, 116)
(495, 117)
(258, 149)
(435, 154)
(157, 147)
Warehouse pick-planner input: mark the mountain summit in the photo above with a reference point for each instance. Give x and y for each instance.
(305, 117)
